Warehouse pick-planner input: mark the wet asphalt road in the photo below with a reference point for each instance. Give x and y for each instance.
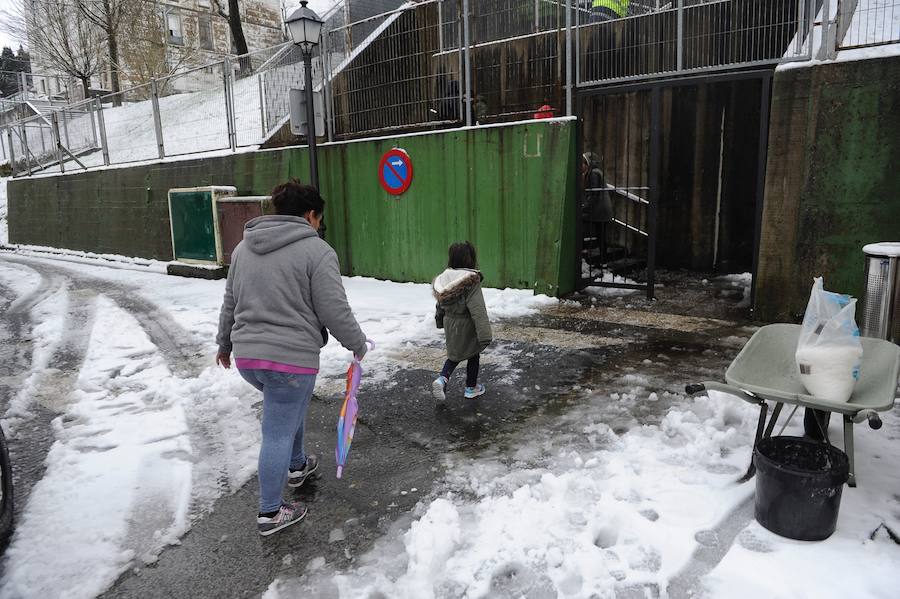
(402, 436)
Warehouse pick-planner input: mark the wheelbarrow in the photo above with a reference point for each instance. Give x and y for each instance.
(765, 371)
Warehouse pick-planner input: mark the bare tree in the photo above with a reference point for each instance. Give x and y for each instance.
(59, 36)
(110, 16)
(234, 23)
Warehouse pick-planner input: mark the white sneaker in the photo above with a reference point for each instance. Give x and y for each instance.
(473, 392)
(438, 388)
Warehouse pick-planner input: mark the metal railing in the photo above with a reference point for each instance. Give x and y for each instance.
(434, 63)
(689, 36)
(863, 23)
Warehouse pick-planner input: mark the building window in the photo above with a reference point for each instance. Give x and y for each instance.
(173, 22)
(44, 86)
(205, 25)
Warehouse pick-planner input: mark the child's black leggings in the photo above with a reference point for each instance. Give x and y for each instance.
(472, 365)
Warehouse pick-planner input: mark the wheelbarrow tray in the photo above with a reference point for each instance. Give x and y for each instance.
(767, 368)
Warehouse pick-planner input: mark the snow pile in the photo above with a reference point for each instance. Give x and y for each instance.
(742, 281)
(578, 511)
(587, 272)
(568, 515)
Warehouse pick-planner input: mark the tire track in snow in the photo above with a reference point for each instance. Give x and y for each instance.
(212, 451)
(33, 394)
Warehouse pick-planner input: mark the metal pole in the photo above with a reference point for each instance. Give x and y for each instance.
(65, 125)
(101, 122)
(579, 193)
(12, 152)
(468, 63)
(23, 136)
(229, 103)
(326, 86)
(54, 120)
(157, 119)
(262, 105)
(577, 47)
(90, 110)
(679, 38)
(310, 120)
(440, 18)
(762, 156)
(568, 57)
(655, 159)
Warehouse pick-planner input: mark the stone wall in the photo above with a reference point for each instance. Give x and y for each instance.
(833, 182)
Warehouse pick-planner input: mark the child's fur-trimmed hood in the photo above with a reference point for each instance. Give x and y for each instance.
(454, 283)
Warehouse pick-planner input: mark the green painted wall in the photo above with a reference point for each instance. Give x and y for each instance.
(833, 179)
(510, 190)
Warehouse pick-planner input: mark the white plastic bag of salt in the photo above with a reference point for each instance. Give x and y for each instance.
(829, 352)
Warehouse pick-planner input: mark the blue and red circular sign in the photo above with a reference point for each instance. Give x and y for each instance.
(395, 172)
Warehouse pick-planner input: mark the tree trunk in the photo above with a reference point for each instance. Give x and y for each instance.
(237, 33)
(86, 86)
(114, 68)
(237, 29)
(113, 53)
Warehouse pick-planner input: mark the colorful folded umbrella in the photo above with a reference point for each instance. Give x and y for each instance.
(347, 421)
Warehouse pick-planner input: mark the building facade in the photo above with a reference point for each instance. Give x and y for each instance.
(166, 37)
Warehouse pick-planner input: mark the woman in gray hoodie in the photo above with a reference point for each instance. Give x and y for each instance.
(283, 294)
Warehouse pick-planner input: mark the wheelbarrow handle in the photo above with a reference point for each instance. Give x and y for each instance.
(700, 388)
(870, 415)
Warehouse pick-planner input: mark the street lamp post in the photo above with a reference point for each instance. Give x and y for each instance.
(305, 27)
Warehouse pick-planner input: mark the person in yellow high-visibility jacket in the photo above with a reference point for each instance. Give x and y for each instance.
(606, 10)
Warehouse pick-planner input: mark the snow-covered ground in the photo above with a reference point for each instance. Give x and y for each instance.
(147, 439)
(576, 510)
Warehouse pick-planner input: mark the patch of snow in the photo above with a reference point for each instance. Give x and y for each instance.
(743, 281)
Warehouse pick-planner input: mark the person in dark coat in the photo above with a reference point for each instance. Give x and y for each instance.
(461, 312)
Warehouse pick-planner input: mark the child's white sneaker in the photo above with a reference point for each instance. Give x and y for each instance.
(438, 388)
(473, 392)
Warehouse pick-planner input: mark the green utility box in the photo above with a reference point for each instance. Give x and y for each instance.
(194, 219)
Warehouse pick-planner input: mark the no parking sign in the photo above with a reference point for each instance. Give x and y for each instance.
(395, 171)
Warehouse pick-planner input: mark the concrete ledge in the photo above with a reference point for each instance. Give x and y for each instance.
(196, 271)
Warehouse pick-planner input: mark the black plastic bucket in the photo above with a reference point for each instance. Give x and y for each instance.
(798, 486)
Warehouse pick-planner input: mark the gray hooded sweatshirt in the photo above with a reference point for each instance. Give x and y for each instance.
(283, 287)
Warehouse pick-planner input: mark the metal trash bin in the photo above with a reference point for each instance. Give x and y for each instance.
(881, 298)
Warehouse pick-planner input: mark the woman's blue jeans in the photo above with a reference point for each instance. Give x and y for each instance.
(285, 401)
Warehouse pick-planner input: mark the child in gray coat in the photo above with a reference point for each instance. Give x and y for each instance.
(462, 314)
